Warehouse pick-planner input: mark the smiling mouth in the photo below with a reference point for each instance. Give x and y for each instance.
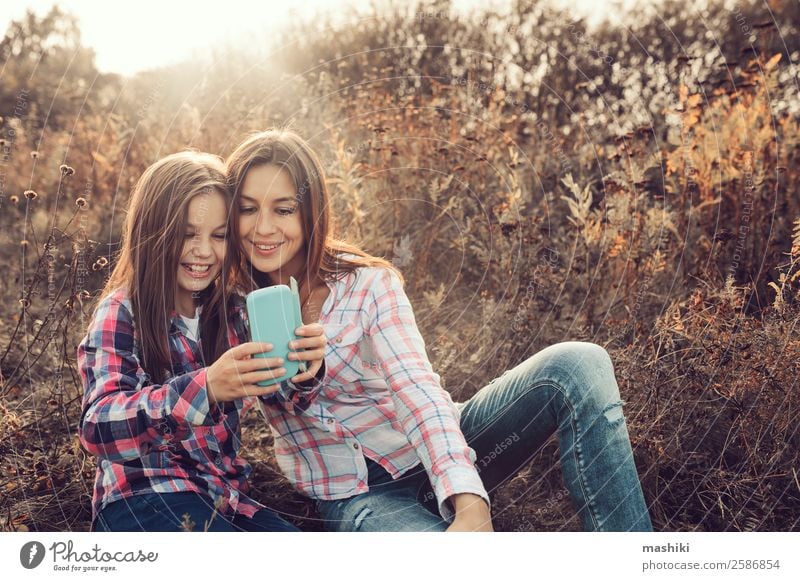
(196, 270)
(266, 250)
(267, 247)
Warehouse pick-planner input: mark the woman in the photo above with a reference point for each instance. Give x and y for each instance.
(163, 425)
(383, 447)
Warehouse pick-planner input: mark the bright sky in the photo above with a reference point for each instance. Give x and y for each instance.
(134, 36)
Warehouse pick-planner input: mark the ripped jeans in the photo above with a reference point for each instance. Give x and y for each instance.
(567, 388)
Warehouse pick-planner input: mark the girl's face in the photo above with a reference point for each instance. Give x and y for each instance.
(270, 225)
(203, 245)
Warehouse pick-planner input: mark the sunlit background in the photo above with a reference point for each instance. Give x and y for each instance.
(134, 36)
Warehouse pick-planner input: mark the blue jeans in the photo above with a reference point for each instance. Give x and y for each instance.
(155, 512)
(567, 388)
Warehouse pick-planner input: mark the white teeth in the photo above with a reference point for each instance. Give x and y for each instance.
(262, 247)
(198, 267)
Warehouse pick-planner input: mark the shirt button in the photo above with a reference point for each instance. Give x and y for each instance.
(355, 446)
(338, 339)
(329, 420)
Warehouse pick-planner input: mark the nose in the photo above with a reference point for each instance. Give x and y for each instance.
(201, 247)
(264, 225)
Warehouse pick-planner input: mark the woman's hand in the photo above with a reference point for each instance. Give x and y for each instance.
(235, 374)
(472, 514)
(314, 342)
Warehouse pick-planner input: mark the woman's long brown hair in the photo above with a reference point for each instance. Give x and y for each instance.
(324, 253)
(152, 245)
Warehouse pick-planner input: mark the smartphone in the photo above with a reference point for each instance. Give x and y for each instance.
(274, 314)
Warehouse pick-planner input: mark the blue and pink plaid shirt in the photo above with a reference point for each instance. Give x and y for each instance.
(380, 399)
(165, 437)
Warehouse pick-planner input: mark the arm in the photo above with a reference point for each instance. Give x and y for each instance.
(472, 514)
(424, 409)
(124, 416)
(295, 398)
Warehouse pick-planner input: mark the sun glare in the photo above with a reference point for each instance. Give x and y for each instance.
(128, 38)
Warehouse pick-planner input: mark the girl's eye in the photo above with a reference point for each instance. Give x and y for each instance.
(248, 210)
(287, 211)
(220, 236)
(190, 235)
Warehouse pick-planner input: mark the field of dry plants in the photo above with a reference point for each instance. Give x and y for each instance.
(536, 181)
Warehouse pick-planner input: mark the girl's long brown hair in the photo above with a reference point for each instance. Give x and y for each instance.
(152, 244)
(324, 253)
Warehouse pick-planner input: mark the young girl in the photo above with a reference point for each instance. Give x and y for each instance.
(383, 447)
(163, 425)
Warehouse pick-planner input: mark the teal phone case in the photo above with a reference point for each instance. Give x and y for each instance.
(274, 314)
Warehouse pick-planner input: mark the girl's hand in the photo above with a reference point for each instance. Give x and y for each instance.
(314, 342)
(235, 374)
(472, 514)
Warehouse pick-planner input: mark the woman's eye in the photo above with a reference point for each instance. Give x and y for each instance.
(220, 236)
(248, 210)
(287, 211)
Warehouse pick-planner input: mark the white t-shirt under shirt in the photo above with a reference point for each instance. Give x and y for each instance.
(193, 325)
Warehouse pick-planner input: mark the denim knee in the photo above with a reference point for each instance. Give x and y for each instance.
(585, 373)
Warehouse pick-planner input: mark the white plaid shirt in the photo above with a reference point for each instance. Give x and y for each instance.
(380, 398)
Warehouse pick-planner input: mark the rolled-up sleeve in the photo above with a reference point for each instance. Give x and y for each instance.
(424, 409)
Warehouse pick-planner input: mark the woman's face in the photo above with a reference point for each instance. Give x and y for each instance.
(269, 222)
(203, 244)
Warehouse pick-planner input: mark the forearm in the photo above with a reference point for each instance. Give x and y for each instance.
(472, 513)
(465, 502)
(295, 398)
